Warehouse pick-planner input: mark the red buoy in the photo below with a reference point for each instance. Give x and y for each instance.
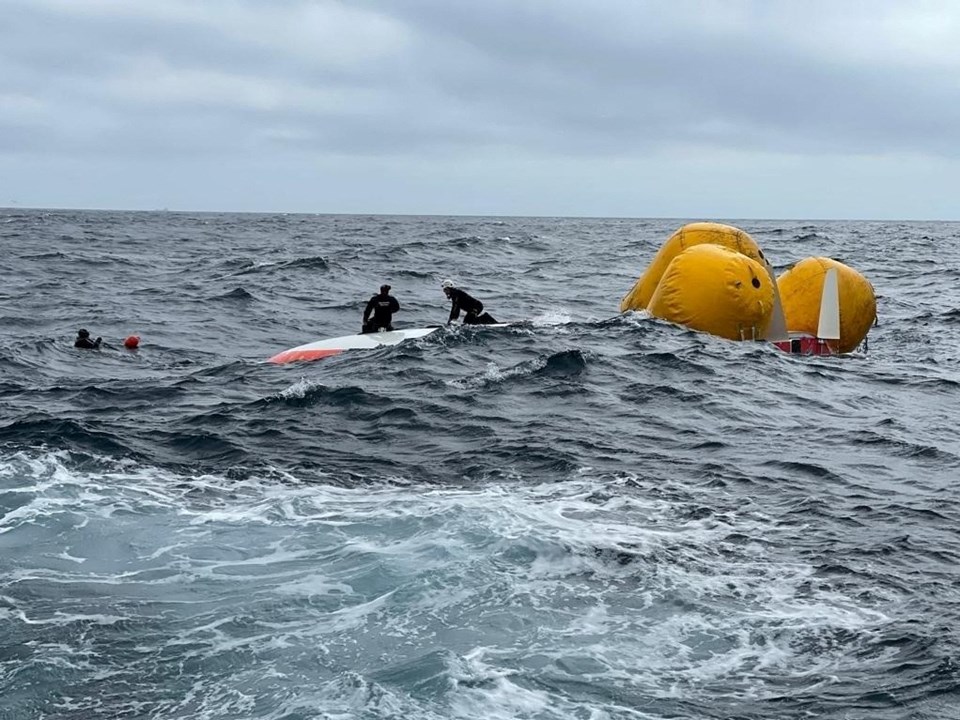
(132, 342)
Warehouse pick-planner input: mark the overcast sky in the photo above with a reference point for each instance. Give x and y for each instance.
(699, 109)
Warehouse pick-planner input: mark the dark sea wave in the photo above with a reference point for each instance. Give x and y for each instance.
(581, 515)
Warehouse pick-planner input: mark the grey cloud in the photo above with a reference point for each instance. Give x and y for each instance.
(549, 77)
(666, 80)
(565, 83)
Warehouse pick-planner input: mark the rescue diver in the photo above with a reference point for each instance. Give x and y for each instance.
(472, 308)
(83, 340)
(382, 306)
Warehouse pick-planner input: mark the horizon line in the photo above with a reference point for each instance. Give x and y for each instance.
(467, 215)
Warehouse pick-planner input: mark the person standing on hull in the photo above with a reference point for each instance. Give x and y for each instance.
(472, 308)
(382, 306)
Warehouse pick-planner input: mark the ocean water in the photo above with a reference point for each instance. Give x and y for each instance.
(584, 515)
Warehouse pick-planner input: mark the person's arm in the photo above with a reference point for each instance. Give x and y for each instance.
(454, 308)
(366, 313)
(394, 305)
(96, 343)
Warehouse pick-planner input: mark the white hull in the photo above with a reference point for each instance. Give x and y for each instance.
(333, 346)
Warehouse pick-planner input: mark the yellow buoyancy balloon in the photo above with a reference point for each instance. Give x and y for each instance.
(802, 286)
(715, 290)
(688, 236)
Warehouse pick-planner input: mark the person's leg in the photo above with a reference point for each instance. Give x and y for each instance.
(487, 319)
(470, 319)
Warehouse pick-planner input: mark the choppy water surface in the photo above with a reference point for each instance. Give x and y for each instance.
(584, 515)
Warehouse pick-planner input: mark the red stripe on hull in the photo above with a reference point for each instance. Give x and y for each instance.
(288, 356)
(807, 345)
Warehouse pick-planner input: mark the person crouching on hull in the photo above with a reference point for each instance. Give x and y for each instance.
(472, 308)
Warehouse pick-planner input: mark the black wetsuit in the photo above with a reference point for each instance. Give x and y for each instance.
(383, 306)
(86, 343)
(472, 308)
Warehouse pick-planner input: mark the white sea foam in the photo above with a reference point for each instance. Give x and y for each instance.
(549, 318)
(494, 373)
(590, 581)
(299, 389)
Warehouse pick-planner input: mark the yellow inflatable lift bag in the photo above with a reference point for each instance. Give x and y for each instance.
(716, 290)
(801, 287)
(688, 236)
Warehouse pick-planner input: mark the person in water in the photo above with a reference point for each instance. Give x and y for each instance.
(382, 306)
(83, 340)
(472, 308)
